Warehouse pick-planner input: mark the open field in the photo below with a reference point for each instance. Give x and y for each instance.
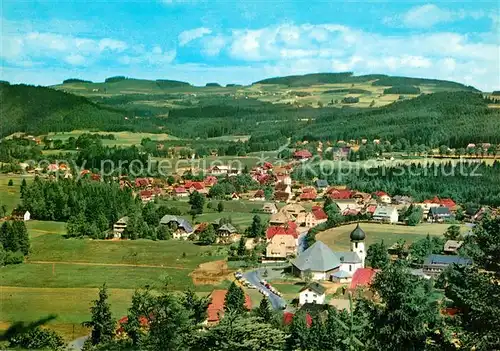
(39, 228)
(121, 138)
(10, 195)
(338, 238)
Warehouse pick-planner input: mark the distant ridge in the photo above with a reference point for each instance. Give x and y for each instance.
(349, 77)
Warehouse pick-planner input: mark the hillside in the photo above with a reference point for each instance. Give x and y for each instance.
(33, 109)
(349, 77)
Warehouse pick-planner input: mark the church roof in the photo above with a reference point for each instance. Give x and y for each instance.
(317, 258)
(358, 234)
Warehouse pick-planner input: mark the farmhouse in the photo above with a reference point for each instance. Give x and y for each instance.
(281, 245)
(19, 215)
(280, 218)
(180, 191)
(227, 233)
(181, 227)
(302, 155)
(435, 264)
(295, 211)
(387, 214)
(259, 195)
(308, 194)
(339, 194)
(312, 293)
(270, 208)
(451, 246)
(119, 227)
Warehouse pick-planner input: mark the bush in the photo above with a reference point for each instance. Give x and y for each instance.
(115, 79)
(350, 100)
(38, 339)
(13, 257)
(10, 183)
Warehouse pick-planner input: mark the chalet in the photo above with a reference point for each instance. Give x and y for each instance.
(119, 227)
(181, 227)
(180, 191)
(19, 215)
(321, 184)
(215, 310)
(223, 170)
(282, 186)
(235, 196)
(388, 214)
(270, 208)
(383, 197)
(439, 214)
(451, 246)
(435, 264)
(227, 233)
(282, 196)
(302, 155)
(259, 195)
(312, 293)
(296, 211)
(315, 217)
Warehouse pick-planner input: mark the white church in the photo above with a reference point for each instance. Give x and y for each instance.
(325, 264)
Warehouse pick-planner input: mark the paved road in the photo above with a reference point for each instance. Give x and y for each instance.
(77, 344)
(254, 278)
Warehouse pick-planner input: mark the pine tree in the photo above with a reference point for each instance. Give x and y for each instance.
(299, 332)
(220, 207)
(377, 255)
(21, 236)
(235, 299)
(23, 187)
(264, 310)
(102, 322)
(197, 306)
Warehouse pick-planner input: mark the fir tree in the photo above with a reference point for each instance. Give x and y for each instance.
(102, 322)
(235, 299)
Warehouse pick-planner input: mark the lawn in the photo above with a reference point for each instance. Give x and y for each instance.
(338, 238)
(121, 138)
(10, 195)
(39, 228)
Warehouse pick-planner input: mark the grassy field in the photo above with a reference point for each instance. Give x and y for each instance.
(10, 195)
(39, 228)
(338, 238)
(121, 138)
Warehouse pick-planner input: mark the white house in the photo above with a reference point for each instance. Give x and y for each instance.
(119, 227)
(386, 214)
(270, 208)
(312, 293)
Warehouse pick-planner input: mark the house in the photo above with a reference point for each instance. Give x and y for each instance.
(315, 217)
(302, 155)
(259, 195)
(280, 218)
(235, 196)
(223, 170)
(402, 200)
(226, 230)
(388, 214)
(321, 184)
(180, 191)
(350, 212)
(347, 204)
(341, 277)
(361, 197)
(215, 310)
(448, 203)
(282, 186)
(210, 181)
(435, 264)
(308, 194)
(339, 194)
(146, 196)
(318, 260)
(282, 196)
(191, 187)
(181, 227)
(439, 214)
(312, 293)
(119, 227)
(19, 215)
(270, 207)
(281, 245)
(283, 178)
(452, 246)
(294, 210)
(142, 182)
(362, 278)
(289, 228)
(383, 197)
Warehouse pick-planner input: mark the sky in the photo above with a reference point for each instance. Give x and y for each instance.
(44, 42)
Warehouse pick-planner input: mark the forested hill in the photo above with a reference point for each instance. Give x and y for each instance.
(449, 118)
(37, 110)
(349, 77)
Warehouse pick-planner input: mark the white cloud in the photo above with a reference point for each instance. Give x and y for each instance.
(212, 46)
(426, 16)
(76, 60)
(156, 57)
(192, 34)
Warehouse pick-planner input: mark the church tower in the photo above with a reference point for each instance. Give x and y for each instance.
(358, 243)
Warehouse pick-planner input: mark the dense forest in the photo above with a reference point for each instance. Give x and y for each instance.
(392, 81)
(402, 89)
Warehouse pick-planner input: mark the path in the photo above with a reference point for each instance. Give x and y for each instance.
(108, 264)
(254, 278)
(77, 344)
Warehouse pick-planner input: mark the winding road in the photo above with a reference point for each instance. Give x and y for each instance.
(254, 278)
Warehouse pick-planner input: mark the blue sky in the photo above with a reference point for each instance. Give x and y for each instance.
(44, 42)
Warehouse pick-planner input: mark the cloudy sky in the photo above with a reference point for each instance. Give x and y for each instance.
(232, 41)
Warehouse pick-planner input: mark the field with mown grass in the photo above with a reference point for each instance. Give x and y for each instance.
(10, 195)
(121, 138)
(338, 238)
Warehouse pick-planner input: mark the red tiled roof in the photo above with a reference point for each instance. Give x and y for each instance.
(448, 203)
(371, 209)
(319, 213)
(146, 193)
(141, 182)
(259, 193)
(210, 180)
(340, 194)
(180, 190)
(350, 212)
(302, 154)
(267, 165)
(380, 193)
(362, 277)
(288, 317)
(308, 195)
(195, 185)
(289, 229)
(216, 305)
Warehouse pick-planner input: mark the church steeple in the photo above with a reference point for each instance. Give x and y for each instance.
(358, 242)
